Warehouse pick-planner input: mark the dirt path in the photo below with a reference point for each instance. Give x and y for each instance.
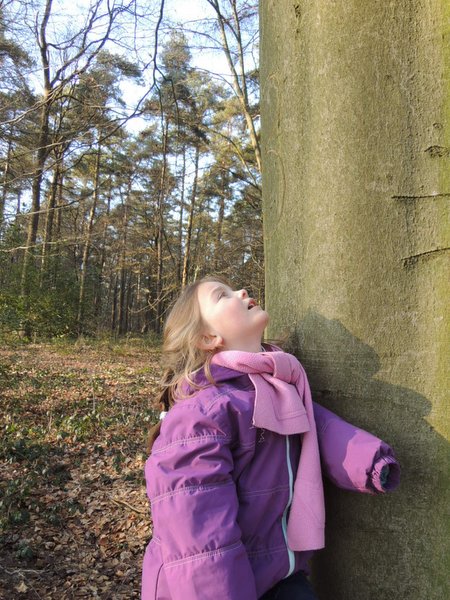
(73, 512)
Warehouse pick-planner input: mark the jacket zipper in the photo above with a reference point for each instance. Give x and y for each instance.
(291, 555)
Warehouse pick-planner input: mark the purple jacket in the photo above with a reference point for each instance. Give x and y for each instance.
(220, 491)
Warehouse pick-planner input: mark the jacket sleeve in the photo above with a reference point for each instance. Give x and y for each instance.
(195, 509)
(353, 458)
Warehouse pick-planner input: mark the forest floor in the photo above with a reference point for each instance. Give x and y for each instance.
(74, 518)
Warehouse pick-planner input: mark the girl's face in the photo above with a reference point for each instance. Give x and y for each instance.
(233, 321)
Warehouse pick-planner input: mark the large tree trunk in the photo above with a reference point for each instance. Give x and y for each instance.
(356, 183)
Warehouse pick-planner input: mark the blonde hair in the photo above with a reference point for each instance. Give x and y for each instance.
(182, 356)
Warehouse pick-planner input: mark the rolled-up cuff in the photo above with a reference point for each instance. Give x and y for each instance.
(385, 475)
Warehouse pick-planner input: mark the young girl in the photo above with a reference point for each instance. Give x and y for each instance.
(234, 476)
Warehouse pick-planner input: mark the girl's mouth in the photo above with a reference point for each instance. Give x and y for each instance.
(251, 304)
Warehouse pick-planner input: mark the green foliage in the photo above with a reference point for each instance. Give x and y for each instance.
(48, 314)
(11, 311)
(14, 495)
(25, 550)
(49, 310)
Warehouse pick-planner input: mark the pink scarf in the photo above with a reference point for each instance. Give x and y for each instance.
(283, 404)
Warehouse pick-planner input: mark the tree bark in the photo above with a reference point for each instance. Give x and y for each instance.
(41, 154)
(219, 226)
(355, 128)
(87, 241)
(56, 234)
(180, 219)
(98, 293)
(6, 174)
(160, 235)
(187, 245)
(114, 279)
(122, 308)
(50, 216)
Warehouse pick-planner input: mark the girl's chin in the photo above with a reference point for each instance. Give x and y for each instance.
(265, 314)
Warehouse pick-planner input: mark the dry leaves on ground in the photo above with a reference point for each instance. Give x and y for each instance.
(73, 511)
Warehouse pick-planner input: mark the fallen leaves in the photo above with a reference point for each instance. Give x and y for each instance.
(75, 518)
(21, 588)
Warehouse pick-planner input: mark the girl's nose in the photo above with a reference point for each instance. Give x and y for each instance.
(242, 293)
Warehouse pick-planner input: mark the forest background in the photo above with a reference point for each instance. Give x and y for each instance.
(129, 166)
(126, 170)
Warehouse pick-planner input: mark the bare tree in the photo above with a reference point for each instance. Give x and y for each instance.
(62, 62)
(229, 18)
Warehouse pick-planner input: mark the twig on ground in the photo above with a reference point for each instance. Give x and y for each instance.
(124, 503)
(22, 571)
